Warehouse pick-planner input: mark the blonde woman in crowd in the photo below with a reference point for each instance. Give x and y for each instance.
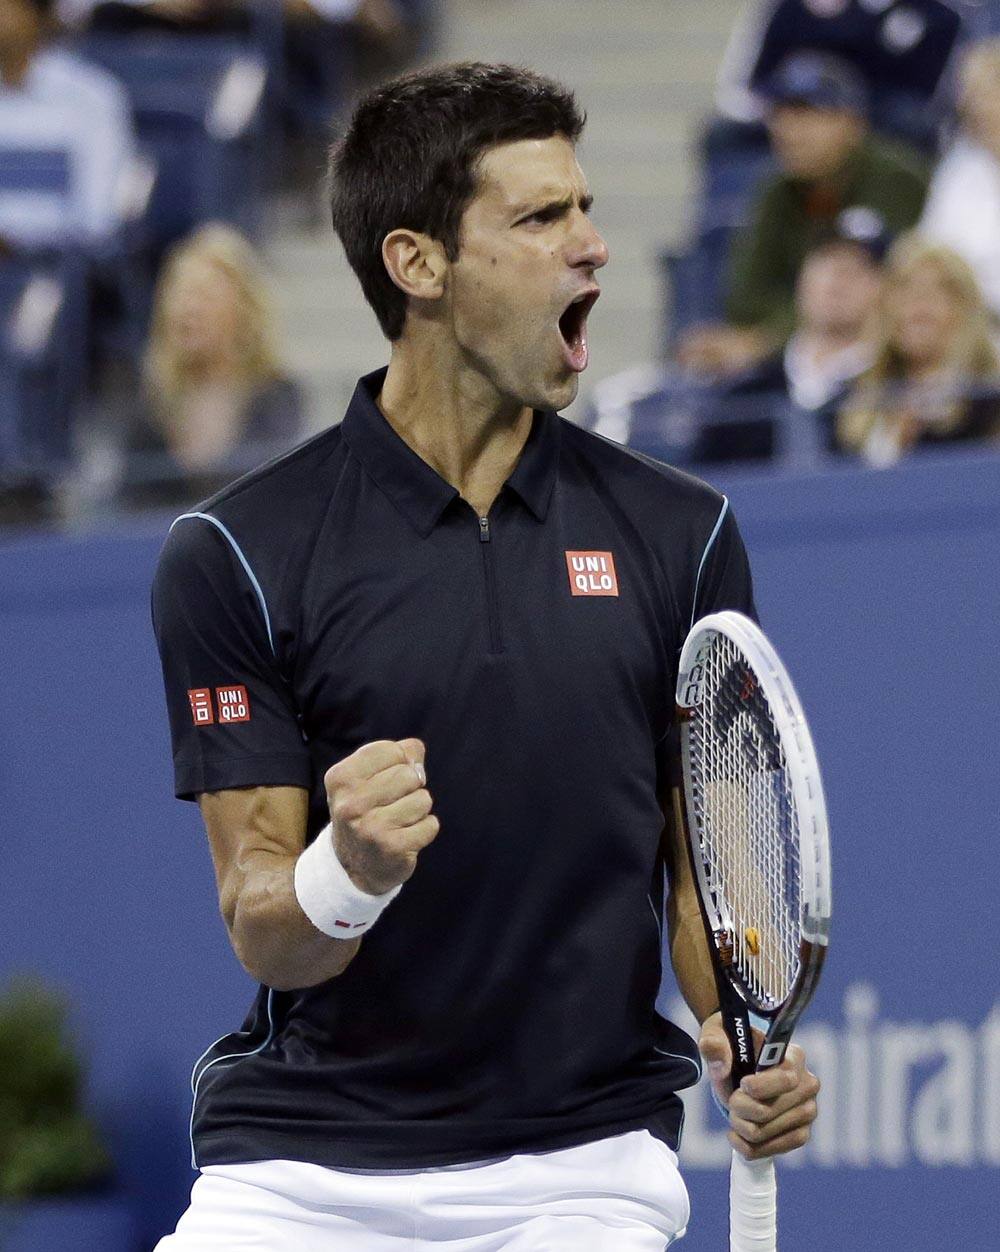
(963, 205)
(215, 399)
(934, 379)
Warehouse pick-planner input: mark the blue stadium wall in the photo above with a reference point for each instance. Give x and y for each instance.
(883, 592)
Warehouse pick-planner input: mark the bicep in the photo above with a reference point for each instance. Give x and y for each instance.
(250, 828)
(689, 949)
(682, 897)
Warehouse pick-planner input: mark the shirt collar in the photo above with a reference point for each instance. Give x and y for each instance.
(418, 490)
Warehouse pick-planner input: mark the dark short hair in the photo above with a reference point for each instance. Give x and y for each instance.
(410, 159)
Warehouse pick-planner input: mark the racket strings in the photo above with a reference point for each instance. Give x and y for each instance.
(746, 820)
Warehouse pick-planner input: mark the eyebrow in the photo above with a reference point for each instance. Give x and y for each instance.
(528, 207)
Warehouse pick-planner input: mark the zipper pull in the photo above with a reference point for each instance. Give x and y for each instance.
(484, 530)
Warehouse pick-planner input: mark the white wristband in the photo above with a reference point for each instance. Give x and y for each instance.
(327, 895)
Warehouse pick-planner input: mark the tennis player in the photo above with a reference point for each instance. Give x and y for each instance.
(419, 674)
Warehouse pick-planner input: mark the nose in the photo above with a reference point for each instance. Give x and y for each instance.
(588, 249)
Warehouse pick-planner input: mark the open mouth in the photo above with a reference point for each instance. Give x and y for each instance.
(573, 330)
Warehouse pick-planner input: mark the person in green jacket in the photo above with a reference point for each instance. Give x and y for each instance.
(829, 161)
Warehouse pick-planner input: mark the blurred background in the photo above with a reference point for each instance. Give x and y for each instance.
(802, 202)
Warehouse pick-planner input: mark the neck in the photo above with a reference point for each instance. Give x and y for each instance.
(454, 419)
(15, 62)
(202, 371)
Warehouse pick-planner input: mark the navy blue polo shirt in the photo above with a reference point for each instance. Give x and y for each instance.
(504, 1002)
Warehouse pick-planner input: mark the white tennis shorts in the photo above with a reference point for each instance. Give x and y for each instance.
(623, 1194)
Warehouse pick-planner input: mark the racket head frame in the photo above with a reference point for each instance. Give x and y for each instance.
(736, 998)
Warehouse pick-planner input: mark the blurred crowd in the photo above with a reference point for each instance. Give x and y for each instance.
(840, 296)
(143, 145)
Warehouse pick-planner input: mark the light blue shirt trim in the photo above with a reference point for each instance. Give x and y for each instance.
(704, 556)
(659, 922)
(232, 1056)
(238, 1056)
(207, 517)
(676, 1056)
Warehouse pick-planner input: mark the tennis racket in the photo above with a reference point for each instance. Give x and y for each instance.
(757, 834)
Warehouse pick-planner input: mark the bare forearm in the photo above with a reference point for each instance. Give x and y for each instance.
(689, 954)
(257, 834)
(381, 820)
(274, 940)
(691, 963)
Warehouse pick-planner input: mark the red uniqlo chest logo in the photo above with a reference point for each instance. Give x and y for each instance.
(592, 573)
(201, 706)
(234, 704)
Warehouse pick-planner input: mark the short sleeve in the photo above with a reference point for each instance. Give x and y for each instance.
(233, 721)
(724, 580)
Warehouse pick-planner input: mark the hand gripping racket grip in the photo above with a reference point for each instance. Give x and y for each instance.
(753, 1206)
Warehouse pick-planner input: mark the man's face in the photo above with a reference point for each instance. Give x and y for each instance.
(523, 284)
(812, 142)
(20, 25)
(838, 288)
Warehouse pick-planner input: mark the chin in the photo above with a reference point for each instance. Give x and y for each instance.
(560, 395)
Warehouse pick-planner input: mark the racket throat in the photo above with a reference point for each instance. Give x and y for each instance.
(735, 1013)
(741, 1042)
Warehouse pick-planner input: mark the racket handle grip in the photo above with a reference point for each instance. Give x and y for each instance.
(753, 1205)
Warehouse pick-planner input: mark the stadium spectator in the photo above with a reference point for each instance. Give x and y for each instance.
(331, 48)
(317, 51)
(784, 406)
(963, 205)
(934, 379)
(66, 139)
(836, 297)
(191, 16)
(380, 20)
(902, 47)
(383, 22)
(829, 161)
(216, 400)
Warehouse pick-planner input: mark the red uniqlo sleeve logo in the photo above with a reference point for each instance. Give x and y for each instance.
(201, 706)
(234, 704)
(592, 573)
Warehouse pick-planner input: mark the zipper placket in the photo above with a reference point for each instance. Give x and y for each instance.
(489, 572)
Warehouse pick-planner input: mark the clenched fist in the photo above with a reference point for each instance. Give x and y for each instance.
(381, 812)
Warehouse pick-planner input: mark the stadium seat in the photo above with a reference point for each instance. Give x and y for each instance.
(122, 274)
(981, 18)
(199, 111)
(694, 283)
(904, 55)
(691, 422)
(43, 348)
(735, 158)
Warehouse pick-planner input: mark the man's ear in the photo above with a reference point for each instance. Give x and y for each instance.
(416, 263)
